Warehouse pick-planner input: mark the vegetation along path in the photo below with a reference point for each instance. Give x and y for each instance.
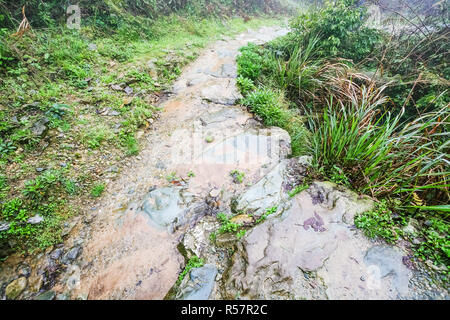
(214, 207)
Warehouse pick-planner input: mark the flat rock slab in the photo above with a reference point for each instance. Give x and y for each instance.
(200, 284)
(265, 194)
(312, 252)
(167, 206)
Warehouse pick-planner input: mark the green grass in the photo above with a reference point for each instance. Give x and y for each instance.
(97, 190)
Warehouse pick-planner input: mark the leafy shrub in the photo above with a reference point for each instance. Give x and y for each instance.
(264, 103)
(245, 85)
(250, 63)
(340, 27)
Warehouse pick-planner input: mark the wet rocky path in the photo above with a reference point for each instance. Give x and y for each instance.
(207, 155)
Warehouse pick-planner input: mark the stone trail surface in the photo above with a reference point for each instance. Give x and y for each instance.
(130, 245)
(130, 250)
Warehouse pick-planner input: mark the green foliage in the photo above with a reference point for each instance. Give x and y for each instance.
(97, 190)
(245, 85)
(71, 187)
(40, 188)
(267, 214)
(194, 262)
(172, 177)
(298, 189)
(340, 27)
(227, 226)
(250, 63)
(265, 103)
(3, 186)
(6, 148)
(95, 136)
(379, 223)
(237, 176)
(436, 244)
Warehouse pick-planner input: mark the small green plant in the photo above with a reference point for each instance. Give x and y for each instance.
(191, 174)
(172, 177)
(226, 225)
(298, 189)
(71, 187)
(379, 223)
(6, 148)
(338, 176)
(3, 186)
(267, 214)
(39, 188)
(249, 62)
(194, 262)
(436, 243)
(245, 85)
(238, 177)
(97, 190)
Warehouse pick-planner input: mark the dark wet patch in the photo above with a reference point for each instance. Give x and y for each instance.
(315, 222)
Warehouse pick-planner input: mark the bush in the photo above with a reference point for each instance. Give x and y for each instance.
(245, 85)
(264, 103)
(340, 26)
(250, 63)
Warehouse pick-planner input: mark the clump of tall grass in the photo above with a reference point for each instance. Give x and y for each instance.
(378, 154)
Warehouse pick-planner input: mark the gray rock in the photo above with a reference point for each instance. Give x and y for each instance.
(113, 169)
(40, 127)
(128, 90)
(113, 113)
(388, 261)
(63, 296)
(265, 194)
(71, 255)
(4, 226)
(23, 270)
(220, 94)
(311, 251)
(92, 47)
(199, 285)
(48, 295)
(167, 207)
(35, 219)
(57, 253)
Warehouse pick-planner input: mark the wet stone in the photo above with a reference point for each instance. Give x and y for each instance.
(167, 206)
(15, 288)
(24, 270)
(199, 285)
(71, 255)
(265, 194)
(35, 220)
(40, 127)
(388, 261)
(48, 295)
(57, 253)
